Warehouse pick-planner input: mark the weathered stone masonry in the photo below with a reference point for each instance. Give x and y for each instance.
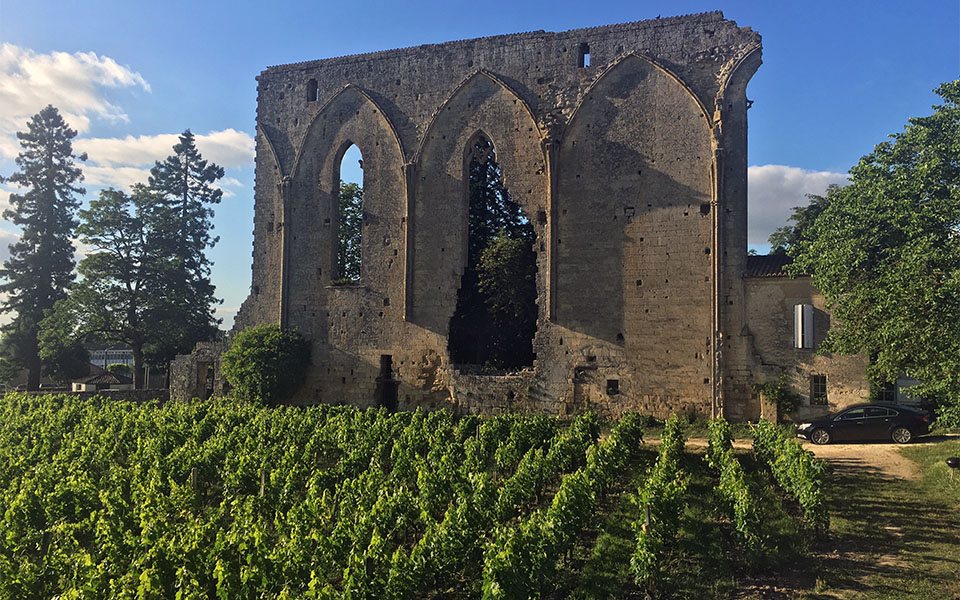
(632, 171)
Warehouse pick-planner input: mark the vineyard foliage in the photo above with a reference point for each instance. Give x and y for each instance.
(219, 499)
(662, 498)
(795, 470)
(736, 497)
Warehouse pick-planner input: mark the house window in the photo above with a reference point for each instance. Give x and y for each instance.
(818, 390)
(803, 326)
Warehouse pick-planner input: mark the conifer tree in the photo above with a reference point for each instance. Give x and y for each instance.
(182, 224)
(40, 267)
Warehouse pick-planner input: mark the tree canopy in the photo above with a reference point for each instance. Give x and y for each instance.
(181, 222)
(146, 282)
(121, 296)
(40, 267)
(788, 236)
(885, 252)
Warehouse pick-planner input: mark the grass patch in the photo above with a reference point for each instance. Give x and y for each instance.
(889, 538)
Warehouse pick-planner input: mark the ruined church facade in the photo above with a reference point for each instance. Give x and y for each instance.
(625, 146)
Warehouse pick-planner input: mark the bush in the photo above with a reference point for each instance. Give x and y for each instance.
(948, 416)
(265, 364)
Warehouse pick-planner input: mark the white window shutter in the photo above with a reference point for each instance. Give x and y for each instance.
(803, 326)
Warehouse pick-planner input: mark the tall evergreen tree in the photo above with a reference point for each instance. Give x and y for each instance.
(40, 267)
(183, 220)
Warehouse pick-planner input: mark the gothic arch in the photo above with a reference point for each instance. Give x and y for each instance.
(656, 64)
(438, 219)
(633, 199)
(350, 117)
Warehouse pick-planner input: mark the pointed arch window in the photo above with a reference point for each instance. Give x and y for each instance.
(350, 216)
(496, 314)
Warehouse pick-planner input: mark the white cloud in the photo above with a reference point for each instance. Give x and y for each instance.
(74, 83)
(121, 162)
(773, 191)
(228, 148)
(116, 177)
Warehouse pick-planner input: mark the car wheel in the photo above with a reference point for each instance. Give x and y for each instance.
(820, 437)
(901, 435)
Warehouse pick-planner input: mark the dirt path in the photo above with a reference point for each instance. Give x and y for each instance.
(874, 458)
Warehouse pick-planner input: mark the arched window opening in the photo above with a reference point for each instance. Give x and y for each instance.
(496, 315)
(350, 217)
(313, 90)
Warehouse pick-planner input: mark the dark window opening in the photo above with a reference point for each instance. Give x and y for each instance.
(350, 217)
(386, 384)
(818, 390)
(584, 55)
(496, 314)
(313, 91)
(613, 387)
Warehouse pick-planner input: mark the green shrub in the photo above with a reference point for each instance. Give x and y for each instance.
(265, 364)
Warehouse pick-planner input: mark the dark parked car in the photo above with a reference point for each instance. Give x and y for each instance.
(868, 422)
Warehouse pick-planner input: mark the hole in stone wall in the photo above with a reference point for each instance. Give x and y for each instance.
(350, 217)
(584, 52)
(496, 312)
(613, 387)
(313, 90)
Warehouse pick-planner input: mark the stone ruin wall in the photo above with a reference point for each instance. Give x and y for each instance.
(632, 171)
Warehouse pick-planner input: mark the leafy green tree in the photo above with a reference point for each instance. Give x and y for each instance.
(351, 224)
(496, 312)
(788, 236)
(266, 364)
(121, 297)
(40, 267)
(885, 252)
(120, 369)
(181, 222)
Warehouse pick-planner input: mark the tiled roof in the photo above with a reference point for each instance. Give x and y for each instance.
(766, 265)
(106, 378)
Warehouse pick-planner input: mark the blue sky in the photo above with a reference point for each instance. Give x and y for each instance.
(837, 78)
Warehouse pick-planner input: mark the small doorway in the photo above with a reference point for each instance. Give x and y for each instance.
(386, 384)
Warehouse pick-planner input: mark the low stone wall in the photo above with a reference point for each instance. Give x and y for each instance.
(162, 395)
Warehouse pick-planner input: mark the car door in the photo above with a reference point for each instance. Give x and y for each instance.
(877, 423)
(849, 425)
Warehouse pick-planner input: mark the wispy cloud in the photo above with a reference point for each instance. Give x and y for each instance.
(121, 162)
(773, 191)
(228, 148)
(74, 83)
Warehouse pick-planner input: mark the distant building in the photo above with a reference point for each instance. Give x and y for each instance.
(103, 355)
(103, 381)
